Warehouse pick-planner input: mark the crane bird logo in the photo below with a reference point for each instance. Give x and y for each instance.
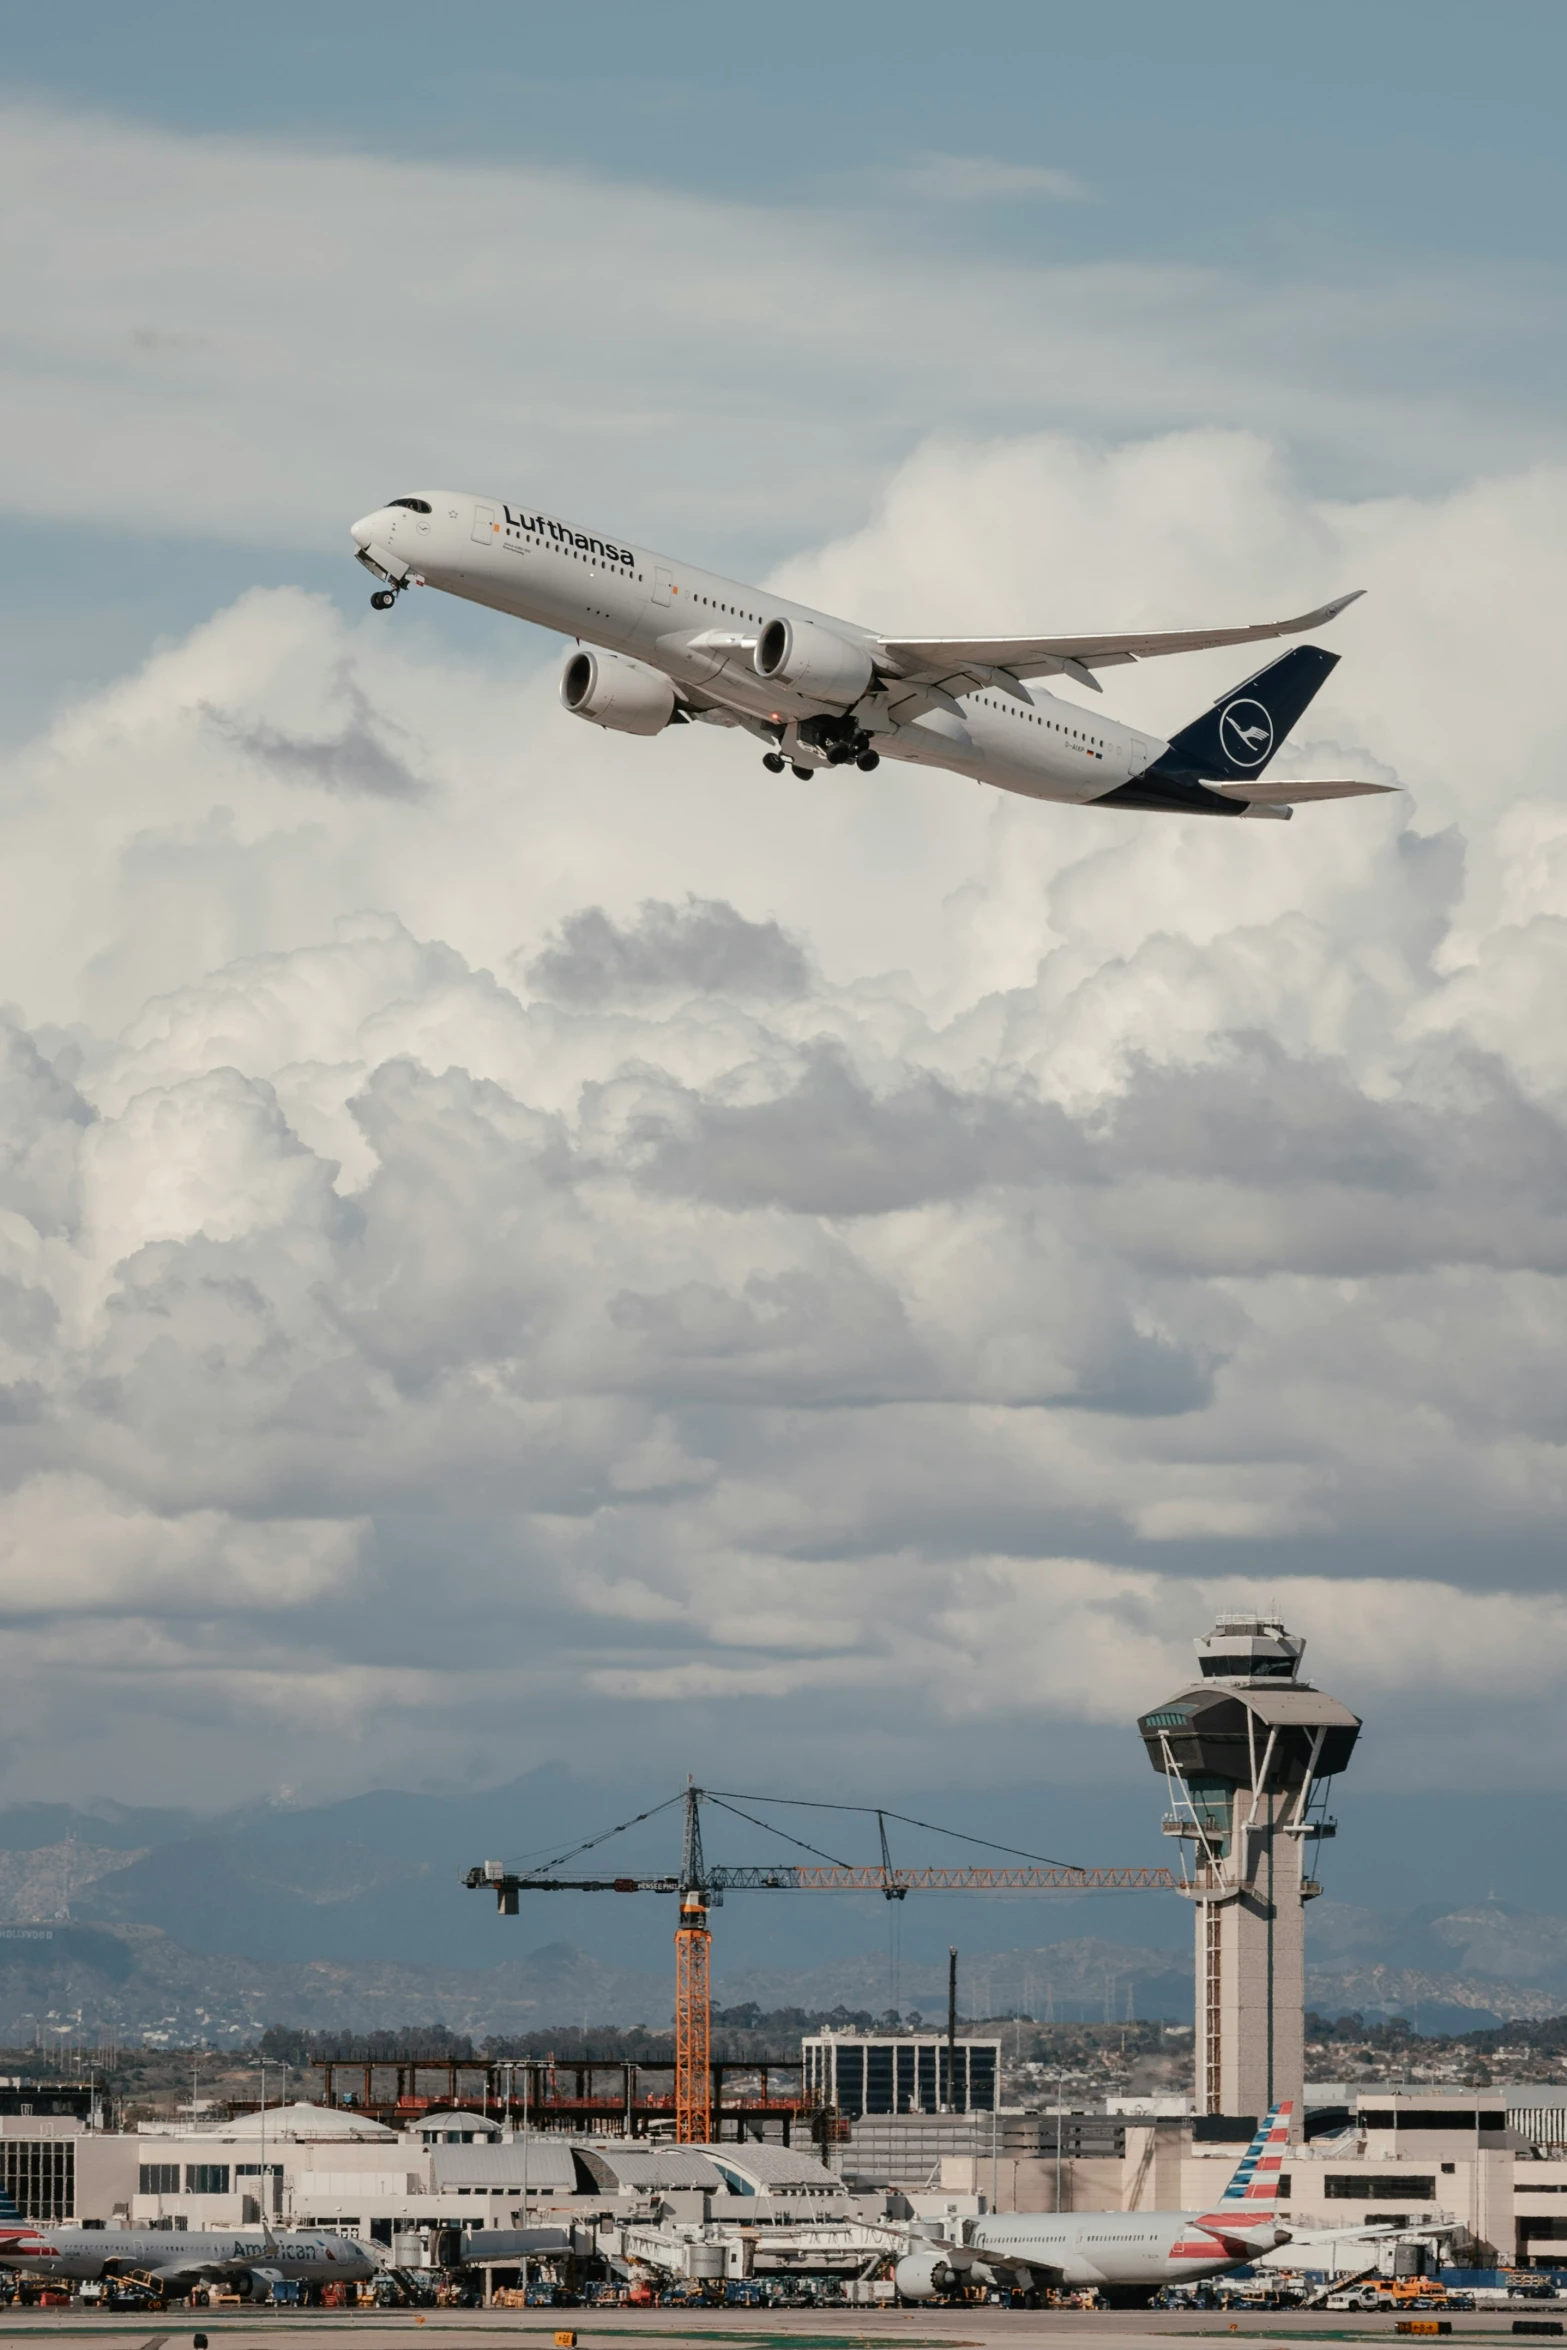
(1246, 731)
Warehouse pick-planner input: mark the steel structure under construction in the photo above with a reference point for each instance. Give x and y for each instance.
(631, 2097)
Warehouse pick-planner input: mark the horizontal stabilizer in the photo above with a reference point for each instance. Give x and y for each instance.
(1283, 791)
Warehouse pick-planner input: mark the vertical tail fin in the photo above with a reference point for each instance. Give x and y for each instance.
(1233, 742)
(10, 2217)
(1256, 2178)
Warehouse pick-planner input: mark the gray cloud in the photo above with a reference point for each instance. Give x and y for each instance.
(703, 946)
(832, 1145)
(41, 1119)
(353, 760)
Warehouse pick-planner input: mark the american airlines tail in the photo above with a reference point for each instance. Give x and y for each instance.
(1256, 2179)
(12, 2222)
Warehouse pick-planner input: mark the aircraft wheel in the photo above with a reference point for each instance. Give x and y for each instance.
(804, 773)
(773, 763)
(382, 600)
(868, 762)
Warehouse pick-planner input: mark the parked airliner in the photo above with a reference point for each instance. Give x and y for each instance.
(173, 2260)
(1127, 2254)
(660, 643)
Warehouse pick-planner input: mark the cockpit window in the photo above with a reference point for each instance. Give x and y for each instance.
(414, 505)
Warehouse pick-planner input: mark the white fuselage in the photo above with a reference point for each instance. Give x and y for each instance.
(700, 629)
(306, 2254)
(1121, 2247)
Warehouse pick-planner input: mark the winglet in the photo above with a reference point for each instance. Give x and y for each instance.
(1323, 614)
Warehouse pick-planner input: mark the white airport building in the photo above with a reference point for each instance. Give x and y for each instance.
(1492, 2162)
(316, 2166)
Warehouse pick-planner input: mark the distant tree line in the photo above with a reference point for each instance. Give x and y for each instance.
(1546, 2037)
(738, 2033)
(289, 2044)
(1382, 2032)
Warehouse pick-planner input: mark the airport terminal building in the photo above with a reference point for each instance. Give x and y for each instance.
(1492, 2162)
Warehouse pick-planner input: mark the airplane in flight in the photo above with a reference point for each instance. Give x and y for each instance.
(660, 643)
(1128, 2255)
(254, 2258)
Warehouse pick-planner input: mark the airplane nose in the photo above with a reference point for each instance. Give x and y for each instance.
(363, 531)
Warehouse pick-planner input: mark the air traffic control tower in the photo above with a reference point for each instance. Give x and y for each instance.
(1246, 1754)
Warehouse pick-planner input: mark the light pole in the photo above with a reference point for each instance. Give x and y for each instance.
(1060, 2123)
(527, 2079)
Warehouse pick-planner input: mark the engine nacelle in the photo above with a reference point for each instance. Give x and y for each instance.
(924, 2276)
(612, 690)
(813, 662)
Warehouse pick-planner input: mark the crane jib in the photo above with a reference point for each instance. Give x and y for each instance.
(894, 1883)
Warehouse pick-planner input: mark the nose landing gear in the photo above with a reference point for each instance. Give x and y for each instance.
(383, 599)
(773, 763)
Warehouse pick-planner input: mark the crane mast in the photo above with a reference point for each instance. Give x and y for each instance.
(693, 1998)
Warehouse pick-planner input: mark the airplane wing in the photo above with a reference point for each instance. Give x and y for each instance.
(1281, 792)
(996, 2263)
(175, 2272)
(974, 660)
(1379, 2233)
(180, 2272)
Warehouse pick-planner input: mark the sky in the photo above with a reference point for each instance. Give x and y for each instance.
(523, 1246)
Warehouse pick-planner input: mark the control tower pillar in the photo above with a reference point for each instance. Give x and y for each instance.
(1246, 1753)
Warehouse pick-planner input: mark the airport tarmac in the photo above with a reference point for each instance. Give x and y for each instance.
(733, 2329)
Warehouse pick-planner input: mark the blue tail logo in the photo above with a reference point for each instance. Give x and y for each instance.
(10, 2217)
(1246, 732)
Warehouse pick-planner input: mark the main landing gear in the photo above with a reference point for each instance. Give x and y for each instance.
(841, 743)
(383, 599)
(840, 755)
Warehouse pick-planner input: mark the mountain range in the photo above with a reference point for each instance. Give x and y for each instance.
(352, 1916)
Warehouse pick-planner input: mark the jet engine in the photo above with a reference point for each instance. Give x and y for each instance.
(813, 662)
(612, 690)
(924, 2276)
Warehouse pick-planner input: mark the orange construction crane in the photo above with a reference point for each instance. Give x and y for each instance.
(701, 1887)
(693, 1997)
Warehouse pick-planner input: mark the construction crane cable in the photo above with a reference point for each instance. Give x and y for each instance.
(872, 1811)
(964, 1836)
(768, 1829)
(605, 1834)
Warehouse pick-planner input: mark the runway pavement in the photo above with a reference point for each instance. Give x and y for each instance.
(733, 2329)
